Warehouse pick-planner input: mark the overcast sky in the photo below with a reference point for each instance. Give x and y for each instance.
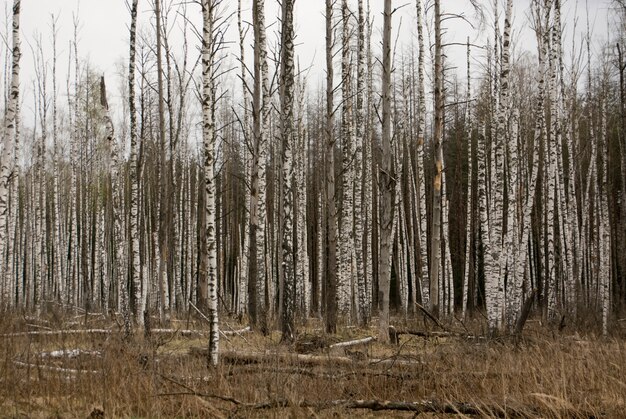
(103, 29)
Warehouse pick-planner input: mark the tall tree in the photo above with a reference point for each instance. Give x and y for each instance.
(387, 182)
(164, 182)
(117, 210)
(435, 264)
(346, 238)
(287, 133)
(360, 163)
(423, 220)
(6, 160)
(331, 193)
(208, 134)
(257, 267)
(138, 304)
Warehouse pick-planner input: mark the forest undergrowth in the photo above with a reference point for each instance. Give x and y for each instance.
(88, 370)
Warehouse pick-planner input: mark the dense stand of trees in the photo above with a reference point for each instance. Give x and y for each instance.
(399, 182)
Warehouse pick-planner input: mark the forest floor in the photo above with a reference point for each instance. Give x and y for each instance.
(88, 371)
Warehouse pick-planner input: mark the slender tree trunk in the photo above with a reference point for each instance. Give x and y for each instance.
(604, 234)
(6, 159)
(164, 206)
(287, 133)
(346, 225)
(208, 134)
(245, 255)
(387, 183)
(137, 301)
(57, 247)
(499, 251)
(331, 193)
(435, 265)
(469, 204)
(360, 164)
(258, 267)
(73, 247)
(551, 145)
(423, 220)
(119, 274)
(303, 291)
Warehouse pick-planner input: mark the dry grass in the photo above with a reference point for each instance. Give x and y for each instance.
(545, 375)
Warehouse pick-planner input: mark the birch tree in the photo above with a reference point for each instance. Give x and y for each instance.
(208, 134)
(242, 294)
(360, 162)
(139, 303)
(423, 221)
(117, 209)
(346, 238)
(287, 140)
(258, 269)
(468, 205)
(331, 193)
(435, 265)
(387, 181)
(6, 159)
(58, 268)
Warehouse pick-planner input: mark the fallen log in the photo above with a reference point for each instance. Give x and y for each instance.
(52, 368)
(430, 316)
(194, 333)
(237, 332)
(323, 373)
(302, 359)
(425, 406)
(181, 332)
(395, 333)
(353, 342)
(69, 353)
(37, 326)
(418, 407)
(249, 358)
(252, 358)
(425, 334)
(57, 332)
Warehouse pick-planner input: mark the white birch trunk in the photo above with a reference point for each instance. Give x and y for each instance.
(303, 289)
(359, 211)
(551, 187)
(242, 283)
(56, 199)
(72, 263)
(287, 134)
(514, 285)
(103, 274)
(484, 225)
(436, 261)
(138, 296)
(604, 236)
(258, 212)
(468, 206)
(331, 191)
(208, 134)
(346, 239)
(423, 221)
(8, 130)
(444, 271)
(118, 213)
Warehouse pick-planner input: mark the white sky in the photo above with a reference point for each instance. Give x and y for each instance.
(103, 30)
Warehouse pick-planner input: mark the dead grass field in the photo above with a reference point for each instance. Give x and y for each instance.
(545, 374)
